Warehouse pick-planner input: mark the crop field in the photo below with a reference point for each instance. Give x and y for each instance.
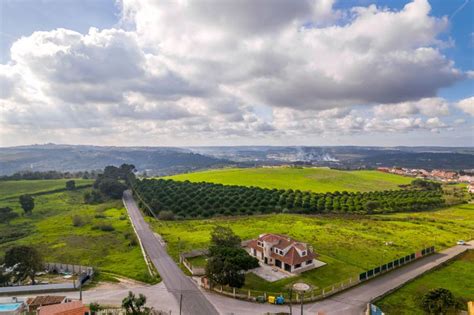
(348, 244)
(15, 188)
(318, 180)
(457, 276)
(103, 236)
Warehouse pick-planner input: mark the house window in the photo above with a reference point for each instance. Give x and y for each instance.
(259, 243)
(309, 262)
(303, 253)
(297, 266)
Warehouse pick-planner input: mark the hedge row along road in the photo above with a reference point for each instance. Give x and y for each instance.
(191, 200)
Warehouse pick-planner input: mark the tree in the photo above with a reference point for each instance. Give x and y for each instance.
(438, 301)
(27, 203)
(223, 236)
(70, 185)
(227, 260)
(24, 261)
(135, 305)
(4, 276)
(7, 214)
(166, 215)
(370, 206)
(94, 307)
(112, 188)
(92, 197)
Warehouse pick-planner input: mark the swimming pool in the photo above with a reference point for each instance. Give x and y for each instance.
(9, 307)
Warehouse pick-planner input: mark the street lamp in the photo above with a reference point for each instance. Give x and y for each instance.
(301, 288)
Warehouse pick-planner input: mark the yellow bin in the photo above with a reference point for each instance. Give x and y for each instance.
(271, 299)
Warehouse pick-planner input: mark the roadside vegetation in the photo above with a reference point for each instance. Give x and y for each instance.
(318, 180)
(456, 276)
(204, 200)
(349, 244)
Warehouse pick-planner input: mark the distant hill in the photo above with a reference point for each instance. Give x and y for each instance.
(156, 161)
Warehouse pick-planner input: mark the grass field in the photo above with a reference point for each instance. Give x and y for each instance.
(49, 228)
(348, 245)
(457, 276)
(314, 179)
(15, 188)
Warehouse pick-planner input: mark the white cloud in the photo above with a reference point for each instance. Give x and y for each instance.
(467, 105)
(191, 69)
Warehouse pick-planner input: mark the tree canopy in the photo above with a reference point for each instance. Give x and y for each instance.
(27, 203)
(135, 305)
(227, 260)
(438, 301)
(190, 200)
(25, 261)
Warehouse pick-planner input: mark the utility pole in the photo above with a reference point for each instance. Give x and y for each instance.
(180, 302)
(302, 298)
(291, 297)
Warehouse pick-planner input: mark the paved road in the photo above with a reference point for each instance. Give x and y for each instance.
(193, 300)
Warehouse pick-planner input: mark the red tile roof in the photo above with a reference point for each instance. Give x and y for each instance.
(292, 257)
(40, 300)
(72, 308)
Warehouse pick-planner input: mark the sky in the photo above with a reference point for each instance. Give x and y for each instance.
(265, 72)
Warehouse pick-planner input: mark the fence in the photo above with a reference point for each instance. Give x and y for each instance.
(84, 273)
(317, 294)
(184, 259)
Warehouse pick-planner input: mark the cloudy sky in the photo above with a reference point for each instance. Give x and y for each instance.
(218, 72)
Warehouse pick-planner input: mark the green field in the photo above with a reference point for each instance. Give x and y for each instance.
(457, 276)
(15, 188)
(348, 244)
(49, 228)
(314, 179)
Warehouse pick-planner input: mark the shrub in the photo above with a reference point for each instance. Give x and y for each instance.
(438, 301)
(166, 215)
(100, 216)
(123, 217)
(93, 197)
(105, 227)
(78, 221)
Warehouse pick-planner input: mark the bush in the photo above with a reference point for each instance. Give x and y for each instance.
(70, 185)
(100, 216)
(93, 197)
(78, 221)
(105, 227)
(166, 215)
(438, 301)
(123, 217)
(132, 238)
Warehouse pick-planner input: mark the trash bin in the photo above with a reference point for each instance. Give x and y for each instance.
(280, 300)
(271, 299)
(261, 299)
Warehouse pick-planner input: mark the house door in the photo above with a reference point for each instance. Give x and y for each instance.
(266, 260)
(278, 263)
(287, 267)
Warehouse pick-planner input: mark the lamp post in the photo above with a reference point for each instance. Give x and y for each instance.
(301, 288)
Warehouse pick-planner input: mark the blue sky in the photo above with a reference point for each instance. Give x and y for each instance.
(221, 73)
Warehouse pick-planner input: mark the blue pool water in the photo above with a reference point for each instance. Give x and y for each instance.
(9, 307)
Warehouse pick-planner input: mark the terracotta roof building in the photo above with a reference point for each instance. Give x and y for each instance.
(71, 308)
(44, 300)
(282, 252)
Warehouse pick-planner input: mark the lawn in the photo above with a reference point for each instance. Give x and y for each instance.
(348, 244)
(456, 276)
(15, 188)
(198, 261)
(314, 179)
(49, 228)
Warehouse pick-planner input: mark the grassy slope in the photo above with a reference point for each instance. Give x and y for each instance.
(314, 179)
(347, 244)
(15, 188)
(53, 233)
(457, 276)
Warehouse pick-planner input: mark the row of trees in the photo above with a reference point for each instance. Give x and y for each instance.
(187, 199)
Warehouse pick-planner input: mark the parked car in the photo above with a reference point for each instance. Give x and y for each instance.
(461, 242)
